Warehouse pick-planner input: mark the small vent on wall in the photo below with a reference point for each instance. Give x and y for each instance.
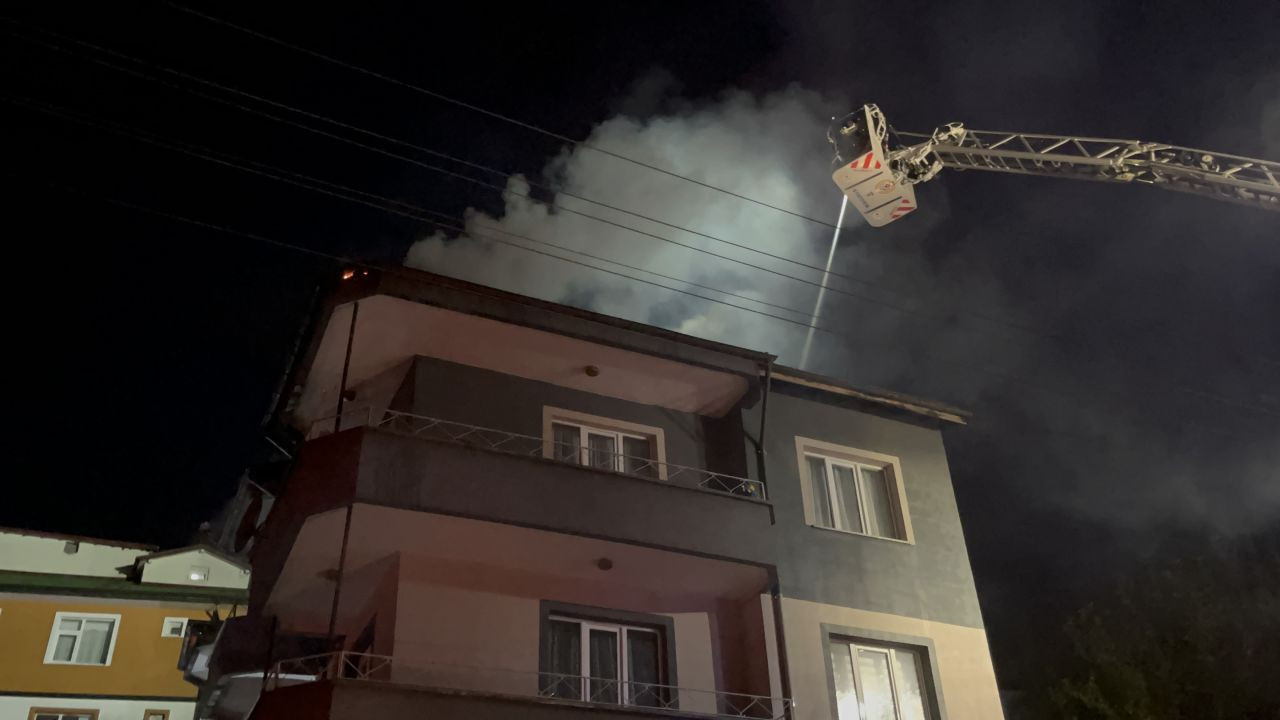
(71, 547)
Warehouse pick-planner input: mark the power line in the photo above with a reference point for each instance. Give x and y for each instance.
(490, 113)
(381, 203)
(504, 190)
(313, 184)
(821, 286)
(470, 106)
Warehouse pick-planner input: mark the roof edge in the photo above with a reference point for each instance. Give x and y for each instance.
(198, 547)
(888, 398)
(79, 538)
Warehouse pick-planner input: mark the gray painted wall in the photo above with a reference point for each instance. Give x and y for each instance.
(409, 473)
(930, 579)
(475, 396)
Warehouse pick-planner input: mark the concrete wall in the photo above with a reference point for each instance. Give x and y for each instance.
(32, 553)
(930, 579)
(415, 474)
(694, 665)
(19, 708)
(463, 639)
(966, 685)
(474, 396)
(176, 570)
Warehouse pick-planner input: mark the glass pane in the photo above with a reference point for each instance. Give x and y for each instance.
(601, 451)
(69, 625)
(818, 484)
(567, 440)
(94, 642)
(564, 674)
(906, 672)
(875, 492)
(43, 716)
(877, 692)
(846, 693)
(846, 504)
(604, 666)
(642, 669)
(639, 457)
(62, 649)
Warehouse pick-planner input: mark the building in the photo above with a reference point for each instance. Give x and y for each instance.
(502, 507)
(93, 629)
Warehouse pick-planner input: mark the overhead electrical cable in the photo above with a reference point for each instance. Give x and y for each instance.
(352, 195)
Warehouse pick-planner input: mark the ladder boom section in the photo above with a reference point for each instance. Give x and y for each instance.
(1247, 181)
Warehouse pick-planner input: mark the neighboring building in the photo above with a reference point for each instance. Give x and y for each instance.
(503, 507)
(93, 629)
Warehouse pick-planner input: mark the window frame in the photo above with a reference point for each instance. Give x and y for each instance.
(853, 458)
(620, 630)
(889, 650)
(165, 626)
(619, 429)
(59, 616)
(146, 714)
(662, 625)
(35, 711)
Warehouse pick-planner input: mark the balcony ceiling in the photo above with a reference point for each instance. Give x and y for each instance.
(390, 331)
(497, 558)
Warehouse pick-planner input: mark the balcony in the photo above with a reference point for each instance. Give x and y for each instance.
(511, 443)
(414, 462)
(424, 688)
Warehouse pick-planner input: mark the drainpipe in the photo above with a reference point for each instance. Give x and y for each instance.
(764, 415)
(784, 671)
(337, 587)
(346, 366)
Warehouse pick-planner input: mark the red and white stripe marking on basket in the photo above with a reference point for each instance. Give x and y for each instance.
(903, 208)
(866, 162)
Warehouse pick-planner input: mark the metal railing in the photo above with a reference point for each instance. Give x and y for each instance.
(512, 443)
(599, 692)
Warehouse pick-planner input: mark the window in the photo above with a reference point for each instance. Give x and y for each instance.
(61, 714)
(173, 627)
(853, 491)
(198, 573)
(82, 639)
(604, 663)
(878, 683)
(603, 443)
(155, 715)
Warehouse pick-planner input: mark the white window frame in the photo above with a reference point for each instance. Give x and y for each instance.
(165, 626)
(890, 656)
(595, 424)
(624, 671)
(54, 633)
(853, 458)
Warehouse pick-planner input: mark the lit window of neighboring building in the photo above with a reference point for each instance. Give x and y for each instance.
(82, 639)
(62, 714)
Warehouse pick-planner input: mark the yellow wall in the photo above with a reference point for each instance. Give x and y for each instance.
(144, 663)
(964, 662)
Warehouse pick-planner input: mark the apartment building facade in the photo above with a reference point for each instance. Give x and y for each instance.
(92, 629)
(504, 507)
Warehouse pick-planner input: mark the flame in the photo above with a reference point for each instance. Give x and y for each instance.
(348, 274)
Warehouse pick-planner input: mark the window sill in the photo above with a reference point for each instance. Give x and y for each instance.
(76, 664)
(862, 535)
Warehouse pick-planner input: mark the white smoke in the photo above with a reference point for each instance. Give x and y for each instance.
(772, 148)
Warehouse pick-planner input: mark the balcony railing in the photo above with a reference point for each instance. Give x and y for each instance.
(511, 443)
(596, 692)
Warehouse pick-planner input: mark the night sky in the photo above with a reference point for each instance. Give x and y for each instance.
(1119, 346)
